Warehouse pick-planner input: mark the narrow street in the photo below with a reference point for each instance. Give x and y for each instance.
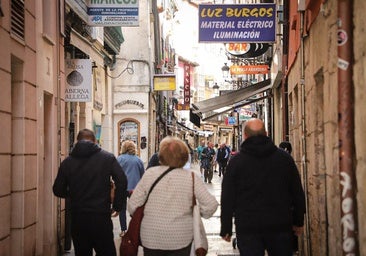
(217, 246)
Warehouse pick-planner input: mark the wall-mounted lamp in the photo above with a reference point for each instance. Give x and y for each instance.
(94, 65)
(225, 70)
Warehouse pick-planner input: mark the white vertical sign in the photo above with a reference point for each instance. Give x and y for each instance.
(78, 80)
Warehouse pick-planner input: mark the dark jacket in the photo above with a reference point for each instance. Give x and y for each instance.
(261, 188)
(85, 178)
(223, 154)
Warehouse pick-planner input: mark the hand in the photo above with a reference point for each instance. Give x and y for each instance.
(298, 230)
(227, 238)
(114, 214)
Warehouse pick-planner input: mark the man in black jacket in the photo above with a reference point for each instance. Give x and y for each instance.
(85, 177)
(262, 190)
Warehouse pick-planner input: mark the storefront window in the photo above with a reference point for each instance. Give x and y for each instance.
(129, 129)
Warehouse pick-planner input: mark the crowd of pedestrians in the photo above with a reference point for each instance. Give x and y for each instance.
(261, 191)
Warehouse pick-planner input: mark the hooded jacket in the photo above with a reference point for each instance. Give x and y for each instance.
(262, 190)
(85, 178)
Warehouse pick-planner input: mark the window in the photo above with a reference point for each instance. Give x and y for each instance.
(17, 18)
(129, 129)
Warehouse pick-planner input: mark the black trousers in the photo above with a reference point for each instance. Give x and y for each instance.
(92, 231)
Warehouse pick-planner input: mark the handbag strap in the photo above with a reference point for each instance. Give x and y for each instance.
(193, 196)
(156, 182)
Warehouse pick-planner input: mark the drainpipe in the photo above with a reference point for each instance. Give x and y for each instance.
(303, 132)
(346, 129)
(284, 88)
(58, 103)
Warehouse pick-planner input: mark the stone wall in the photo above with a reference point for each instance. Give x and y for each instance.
(319, 146)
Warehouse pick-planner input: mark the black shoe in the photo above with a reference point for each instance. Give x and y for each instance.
(219, 175)
(209, 182)
(215, 171)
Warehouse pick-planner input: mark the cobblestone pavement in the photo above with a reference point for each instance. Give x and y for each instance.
(217, 246)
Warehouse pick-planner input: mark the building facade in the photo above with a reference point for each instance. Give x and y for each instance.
(31, 71)
(326, 119)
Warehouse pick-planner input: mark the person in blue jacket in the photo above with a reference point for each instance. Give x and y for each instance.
(133, 167)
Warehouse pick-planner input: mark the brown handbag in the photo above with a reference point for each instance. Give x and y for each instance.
(130, 242)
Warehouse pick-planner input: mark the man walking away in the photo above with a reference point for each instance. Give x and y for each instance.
(207, 159)
(262, 190)
(85, 177)
(222, 156)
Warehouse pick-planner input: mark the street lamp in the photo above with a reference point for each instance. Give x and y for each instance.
(225, 70)
(216, 88)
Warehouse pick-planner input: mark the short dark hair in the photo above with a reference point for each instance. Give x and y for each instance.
(86, 134)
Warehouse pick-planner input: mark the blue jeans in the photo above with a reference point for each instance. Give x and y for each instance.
(276, 244)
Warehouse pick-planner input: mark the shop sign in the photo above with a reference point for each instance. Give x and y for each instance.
(131, 102)
(237, 23)
(208, 127)
(113, 13)
(164, 83)
(249, 69)
(78, 80)
(187, 84)
(183, 106)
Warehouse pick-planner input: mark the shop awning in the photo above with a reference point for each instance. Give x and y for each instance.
(231, 100)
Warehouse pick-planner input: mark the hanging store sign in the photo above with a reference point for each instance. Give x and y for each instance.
(187, 84)
(164, 83)
(78, 80)
(249, 69)
(113, 13)
(237, 23)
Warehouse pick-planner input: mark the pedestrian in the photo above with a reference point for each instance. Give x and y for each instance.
(85, 177)
(133, 167)
(222, 156)
(214, 166)
(167, 226)
(207, 159)
(153, 161)
(199, 153)
(262, 190)
(286, 146)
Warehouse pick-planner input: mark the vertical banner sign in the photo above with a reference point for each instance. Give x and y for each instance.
(237, 23)
(78, 80)
(187, 84)
(113, 13)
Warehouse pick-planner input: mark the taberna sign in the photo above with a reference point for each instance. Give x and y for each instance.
(78, 80)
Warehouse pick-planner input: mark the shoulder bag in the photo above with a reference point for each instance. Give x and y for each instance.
(130, 242)
(200, 243)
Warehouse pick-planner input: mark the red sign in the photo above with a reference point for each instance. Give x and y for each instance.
(249, 69)
(187, 84)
